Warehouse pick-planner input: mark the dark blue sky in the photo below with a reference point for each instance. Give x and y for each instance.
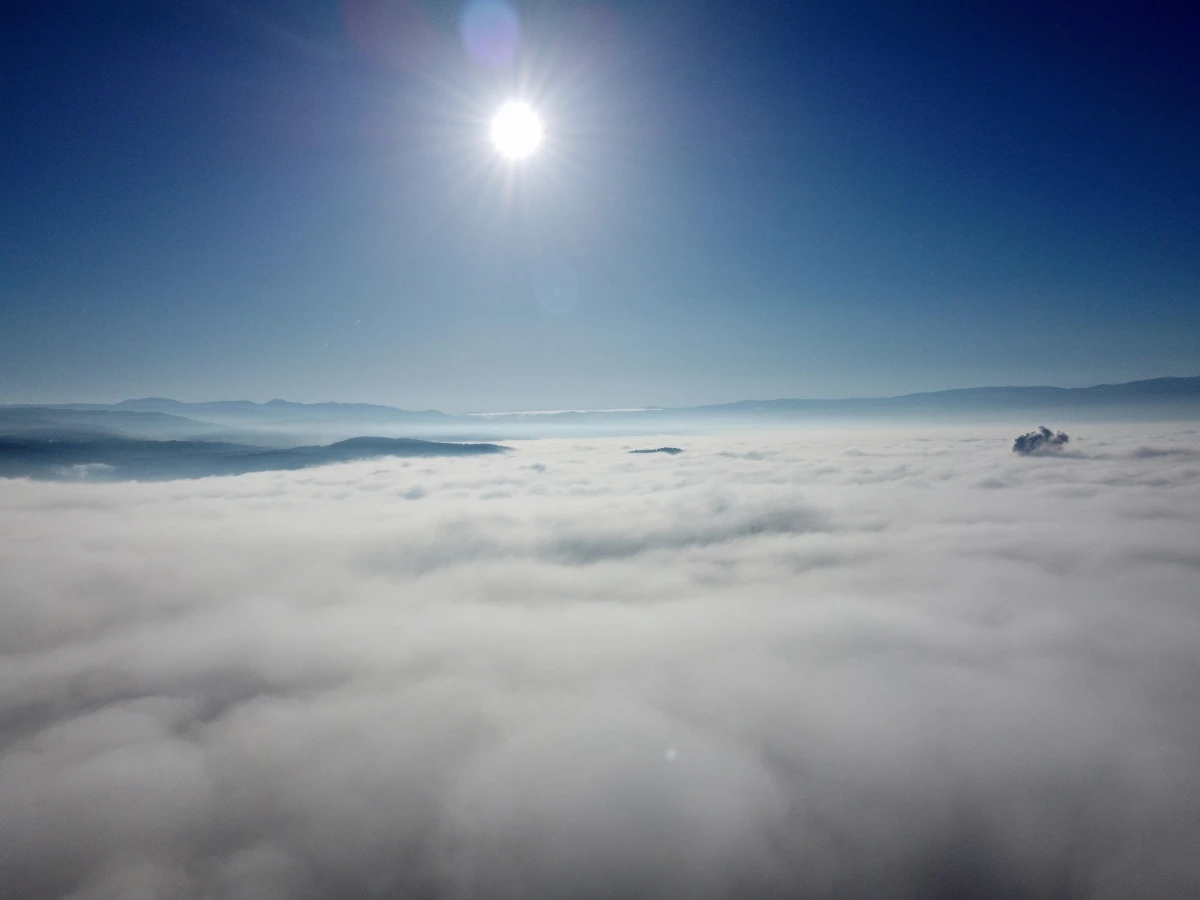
(257, 199)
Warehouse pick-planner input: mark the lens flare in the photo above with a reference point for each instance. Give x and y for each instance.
(516, 130)
(491, 32)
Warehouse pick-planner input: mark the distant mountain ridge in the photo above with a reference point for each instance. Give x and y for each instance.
(282, 423)
(1153, 387)
(250, 408)
(1147, 388)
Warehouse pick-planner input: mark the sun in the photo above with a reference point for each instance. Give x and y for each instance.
(516, 130)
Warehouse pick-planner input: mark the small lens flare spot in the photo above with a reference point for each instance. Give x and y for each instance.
(516, 130)
(555, 285)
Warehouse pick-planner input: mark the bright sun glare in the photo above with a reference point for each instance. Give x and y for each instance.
(516, 130)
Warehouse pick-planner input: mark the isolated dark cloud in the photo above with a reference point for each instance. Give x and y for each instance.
(1039, 441)
(766, 667)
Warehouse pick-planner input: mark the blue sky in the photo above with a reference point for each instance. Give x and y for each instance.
(225, 199)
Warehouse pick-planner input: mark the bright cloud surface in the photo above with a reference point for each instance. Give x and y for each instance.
(813, 665)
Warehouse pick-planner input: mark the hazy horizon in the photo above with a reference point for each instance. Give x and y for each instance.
(543, 411)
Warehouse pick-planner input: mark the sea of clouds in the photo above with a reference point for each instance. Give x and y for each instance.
(811, 665)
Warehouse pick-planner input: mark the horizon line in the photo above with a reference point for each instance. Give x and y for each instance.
(657, 408)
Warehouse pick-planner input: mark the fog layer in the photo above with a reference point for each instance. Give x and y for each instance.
(867, 664)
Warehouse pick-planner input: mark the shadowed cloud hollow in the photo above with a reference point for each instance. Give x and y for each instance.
(819, 666)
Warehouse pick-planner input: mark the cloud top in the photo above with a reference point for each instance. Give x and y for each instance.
(818, 665)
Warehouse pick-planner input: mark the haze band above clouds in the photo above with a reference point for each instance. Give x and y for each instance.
(877, 664)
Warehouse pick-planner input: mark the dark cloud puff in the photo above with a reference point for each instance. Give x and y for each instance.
(1040, 441)
(761, 668)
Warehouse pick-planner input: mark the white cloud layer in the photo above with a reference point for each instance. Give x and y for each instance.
(865, 664)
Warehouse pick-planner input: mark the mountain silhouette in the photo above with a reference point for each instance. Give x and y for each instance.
(283, 424)
(123, 459)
